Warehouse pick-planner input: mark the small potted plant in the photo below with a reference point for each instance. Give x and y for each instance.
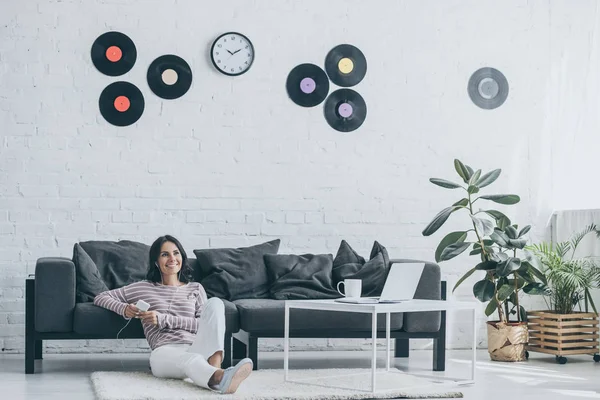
(570, 325)
(506, 267)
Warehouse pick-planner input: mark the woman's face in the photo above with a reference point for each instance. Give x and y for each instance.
(169, 259)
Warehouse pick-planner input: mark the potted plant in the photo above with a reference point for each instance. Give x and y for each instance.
(567, 327)
(506, 267)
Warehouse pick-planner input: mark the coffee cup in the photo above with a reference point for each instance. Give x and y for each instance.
(352, 287)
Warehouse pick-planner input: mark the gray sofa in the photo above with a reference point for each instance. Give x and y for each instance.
(52, 313)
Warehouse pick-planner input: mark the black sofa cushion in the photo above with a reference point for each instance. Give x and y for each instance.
(300, 277)
(93, 320)
(266, 315)
(349, 265)
(234, 274)
(88, 282)
(119, 263)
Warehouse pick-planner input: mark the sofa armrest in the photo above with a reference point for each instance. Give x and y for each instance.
(54, 294)
(430, 284)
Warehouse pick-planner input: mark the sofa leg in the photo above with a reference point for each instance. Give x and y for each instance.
(29, 326)
(439, 347)
(253, 351)
(401, 349)
(227, 356)
(240, 350)
(39, 349)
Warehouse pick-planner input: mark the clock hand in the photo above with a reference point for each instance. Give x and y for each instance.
(236, 51)
(230, 52)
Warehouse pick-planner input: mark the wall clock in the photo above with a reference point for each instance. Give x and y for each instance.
(232, 54)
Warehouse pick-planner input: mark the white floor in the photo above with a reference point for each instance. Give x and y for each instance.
(66, 376)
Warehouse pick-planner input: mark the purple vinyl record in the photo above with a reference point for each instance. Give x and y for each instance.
(345, 110)
(307, 85)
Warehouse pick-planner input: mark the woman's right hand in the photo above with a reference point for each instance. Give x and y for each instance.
(131, 311)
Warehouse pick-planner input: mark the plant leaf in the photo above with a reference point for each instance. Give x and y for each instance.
(518, 243)
(474, 178)
(484, 226)
(523, 314)
(476, 251)
(463, 172)
(486, 265)
(524, 230)
(465, 276)
(453, 250)
(488, 178)
(504, 292)
(484, 290)
(444, 183)
(439, 220)
(499, 238)
(461, 202)
(508, 199)
(503, 222)
(505, 268)
(451, 238)
(473, 189)
(511, 232)
(491, 307)
(536, 289)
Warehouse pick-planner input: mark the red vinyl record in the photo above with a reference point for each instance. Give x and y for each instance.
(121, 103)
(113, 53)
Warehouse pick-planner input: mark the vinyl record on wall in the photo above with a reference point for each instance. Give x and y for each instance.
(121, 103)
(169, 76)
(346, 65)
(345, 110)
(488, 88)
(113, 53)
(307, 85)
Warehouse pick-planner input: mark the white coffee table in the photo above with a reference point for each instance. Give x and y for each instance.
(374, 309)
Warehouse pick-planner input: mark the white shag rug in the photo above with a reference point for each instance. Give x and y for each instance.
(268, 384)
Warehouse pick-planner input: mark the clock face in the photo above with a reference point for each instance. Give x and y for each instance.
(232, 53)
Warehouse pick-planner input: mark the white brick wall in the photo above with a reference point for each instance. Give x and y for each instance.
(234, 162)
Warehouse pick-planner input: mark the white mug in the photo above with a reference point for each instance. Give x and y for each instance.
(352, 287)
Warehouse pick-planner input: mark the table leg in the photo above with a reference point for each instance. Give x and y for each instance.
(374, 354)
(474, 354)
(286, 342)
(387, 337)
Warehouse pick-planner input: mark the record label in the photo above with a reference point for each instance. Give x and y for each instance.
(307, 85)
(169, 77)
(113, 53)
(346, 65)
(121, 103)
(345, 110)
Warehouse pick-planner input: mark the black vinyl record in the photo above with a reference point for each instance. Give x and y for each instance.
(345, 110)
(169, 76)
(346, 65)
(121, 103)
(113, 53)
(307, 85)
(488, 88)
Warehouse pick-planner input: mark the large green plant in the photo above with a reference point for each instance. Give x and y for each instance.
(507, 267)
(569, 279)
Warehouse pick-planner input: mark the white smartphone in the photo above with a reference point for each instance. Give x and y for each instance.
(142, 305)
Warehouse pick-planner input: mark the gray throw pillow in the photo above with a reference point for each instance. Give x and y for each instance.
(300, 277)
(119, 263)
(88, 282)
(349, 265)
(234, 274)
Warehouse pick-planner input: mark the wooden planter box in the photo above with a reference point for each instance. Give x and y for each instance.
(563, 334)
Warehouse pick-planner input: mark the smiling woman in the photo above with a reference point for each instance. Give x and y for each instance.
(184, 329)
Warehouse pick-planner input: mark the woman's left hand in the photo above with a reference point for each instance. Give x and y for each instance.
(149, 317)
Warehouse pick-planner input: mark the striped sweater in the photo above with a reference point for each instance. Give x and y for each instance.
(178, 308)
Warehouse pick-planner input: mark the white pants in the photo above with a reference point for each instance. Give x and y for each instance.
(180, 361)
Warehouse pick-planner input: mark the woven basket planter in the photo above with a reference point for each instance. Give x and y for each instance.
(507, 341)
(563, 334)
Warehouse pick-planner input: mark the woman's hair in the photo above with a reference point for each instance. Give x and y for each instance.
(154, 275)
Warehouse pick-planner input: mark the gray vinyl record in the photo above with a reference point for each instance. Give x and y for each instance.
(488, 88)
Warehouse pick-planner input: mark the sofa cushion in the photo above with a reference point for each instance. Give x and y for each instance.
(88, 282)
(90, 319)
(349, 265)
(234, 274)
(119, 263)
(300, 277)
(266, 315)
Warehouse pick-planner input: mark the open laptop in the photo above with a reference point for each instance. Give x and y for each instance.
(400, 285)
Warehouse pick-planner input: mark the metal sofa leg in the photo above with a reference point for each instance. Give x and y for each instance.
(39, 345)
(401, 348)
(439, 347)
(227, 356)
(240, 350)
(29, 326)
(253, 351)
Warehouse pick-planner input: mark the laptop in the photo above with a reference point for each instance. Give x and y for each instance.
(400, 285)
